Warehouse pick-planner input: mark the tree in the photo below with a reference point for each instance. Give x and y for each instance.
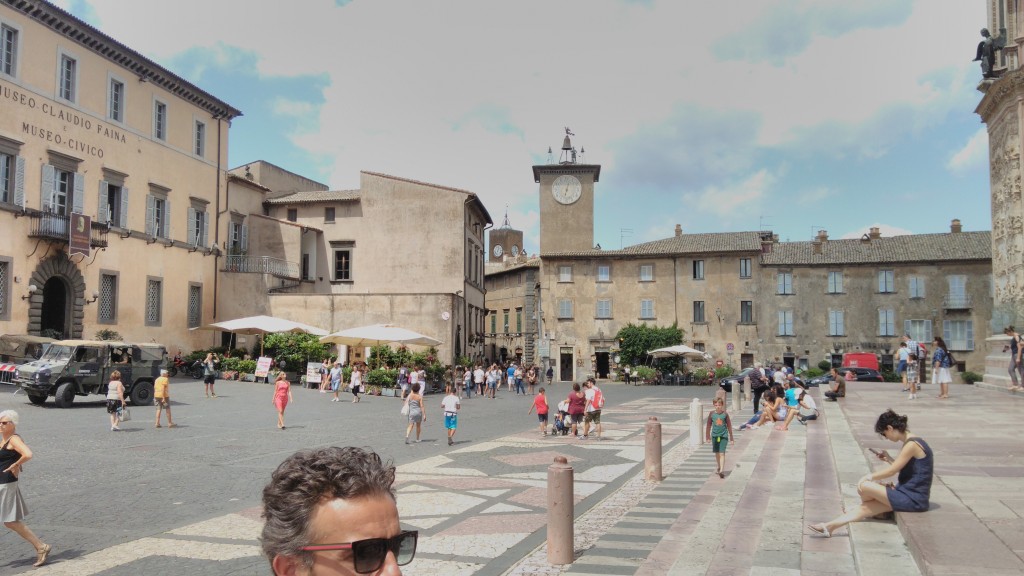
(636, 340)
(295, 349)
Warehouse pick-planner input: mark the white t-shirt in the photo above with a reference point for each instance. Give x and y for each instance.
(478, 375)
(808, 402)
(588, 393)
(450, 404)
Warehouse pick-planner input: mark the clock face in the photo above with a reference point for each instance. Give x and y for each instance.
(498, 250)
(515, 250)
(566, 189)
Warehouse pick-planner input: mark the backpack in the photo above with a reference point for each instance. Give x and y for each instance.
(949, 357)
(598, 398)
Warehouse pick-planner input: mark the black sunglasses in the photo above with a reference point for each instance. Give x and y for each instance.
(368, 555)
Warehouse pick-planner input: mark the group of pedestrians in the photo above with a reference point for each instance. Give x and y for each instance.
(583, 406)
(486, 382)
(909, 365)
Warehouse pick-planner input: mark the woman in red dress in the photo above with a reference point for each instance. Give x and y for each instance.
(282, 396)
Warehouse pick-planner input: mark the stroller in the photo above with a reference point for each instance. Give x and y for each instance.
(561, 425)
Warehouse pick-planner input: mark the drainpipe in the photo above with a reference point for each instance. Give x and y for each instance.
(216, 224)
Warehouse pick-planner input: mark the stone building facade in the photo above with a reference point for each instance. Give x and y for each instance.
(513, 300)
(111, 185)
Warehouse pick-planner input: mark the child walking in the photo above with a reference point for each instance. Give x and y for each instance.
(913, 379)
(451, 406)
(540, 404)
(719, 433)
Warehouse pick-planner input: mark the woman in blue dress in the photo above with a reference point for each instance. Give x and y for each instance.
(914, 464)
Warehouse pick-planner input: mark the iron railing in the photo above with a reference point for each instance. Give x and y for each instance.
(52, 226)
(262, 265)
(957, 302)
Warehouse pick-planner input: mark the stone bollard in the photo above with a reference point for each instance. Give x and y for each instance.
(747, 394)
(696, 420)
(736, 403)
(560, 512)
(652, 450)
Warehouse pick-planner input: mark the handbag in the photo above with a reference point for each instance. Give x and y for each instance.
(123, 414)
(405, 409)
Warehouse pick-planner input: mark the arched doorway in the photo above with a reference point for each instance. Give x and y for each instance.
(55, 313)
(57, 304)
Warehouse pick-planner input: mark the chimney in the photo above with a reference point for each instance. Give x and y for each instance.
(822, 236)
(816, 246)
(875, 233)
(679, 230)
(954, 226)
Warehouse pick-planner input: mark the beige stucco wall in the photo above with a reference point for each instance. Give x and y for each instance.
(279, 180)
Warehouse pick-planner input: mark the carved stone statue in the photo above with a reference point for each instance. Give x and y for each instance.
(986, 52)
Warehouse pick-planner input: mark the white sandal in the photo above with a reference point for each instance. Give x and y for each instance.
(820, 530)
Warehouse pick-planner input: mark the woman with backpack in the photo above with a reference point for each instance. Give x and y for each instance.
(1015, 357)
(941, 362)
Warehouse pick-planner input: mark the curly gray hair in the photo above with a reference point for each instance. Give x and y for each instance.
(303, 480)
(10, 415)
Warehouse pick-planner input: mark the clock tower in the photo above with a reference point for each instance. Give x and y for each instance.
(566, 202)
(504, 242)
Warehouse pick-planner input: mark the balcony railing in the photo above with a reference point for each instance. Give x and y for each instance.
(960, 345)
(262, 265)
(957, 302)
(52, 226)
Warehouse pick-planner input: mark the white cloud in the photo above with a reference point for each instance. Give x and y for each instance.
(974, 153)
(736, 200)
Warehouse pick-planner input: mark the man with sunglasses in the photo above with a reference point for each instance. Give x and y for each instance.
(332, 511)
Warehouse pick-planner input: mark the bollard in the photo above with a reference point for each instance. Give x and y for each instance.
(747, 397)
(652, 450)
(696, 421)
(736, 397)
(560, 512)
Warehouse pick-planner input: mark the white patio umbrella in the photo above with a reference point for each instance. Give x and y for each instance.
(264, 325)
(679, 351)
(378, 334)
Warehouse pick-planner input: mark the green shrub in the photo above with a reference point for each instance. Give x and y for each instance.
(891, 376)
(812, 373)
(824, 366)
(644, 372)
(382, 378)
(972, 377)
(723, 372)
(108, 334)
(703, 376)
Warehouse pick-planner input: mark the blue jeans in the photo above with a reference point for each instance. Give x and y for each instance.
(520, 387)
(469, 389)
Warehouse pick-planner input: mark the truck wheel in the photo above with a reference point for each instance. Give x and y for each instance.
(37, 399)
(65, 395)
(142, 394)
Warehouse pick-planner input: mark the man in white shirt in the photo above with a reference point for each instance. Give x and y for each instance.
(478, 378)
(592, 407)
(450, 404)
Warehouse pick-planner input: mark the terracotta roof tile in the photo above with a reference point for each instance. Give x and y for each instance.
(316, 196)
(684, 244)
(911, 248)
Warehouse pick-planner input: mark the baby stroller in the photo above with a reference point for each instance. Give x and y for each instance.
(561, 425)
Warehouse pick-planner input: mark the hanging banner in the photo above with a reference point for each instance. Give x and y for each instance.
(79, 233)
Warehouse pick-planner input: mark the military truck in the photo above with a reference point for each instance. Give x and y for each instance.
(70, 368)
(17, 349)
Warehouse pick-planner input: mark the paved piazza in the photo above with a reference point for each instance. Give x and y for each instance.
(186, 500)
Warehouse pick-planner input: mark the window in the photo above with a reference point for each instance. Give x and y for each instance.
(746, 312)
(519, 320)
(293, 215)
(115, 99)
(885, 281)
(12, 179)
(785, 322)
(744, 267)
(565, 309)
(62, 190)
(699, 346)
(238, 238)
(113, 204)
(154, 295)
(835, 323)
(919, 330)
(8, 50)
(957, 291)
(698, 312)
(647, 309)
(107, 310)
(198, 223)
(958, 334)
(565, 273)
(158, 216)
(604, 309)
(343, 265)
(784, 283)
(200, 139)
(505, 320)
(698, 269)
(647, 272)
(329, 215)
(886, 322)
(494, 321)
(835, 282)
(604, 273)
(5, 288)
(195, 305)
(159, 120)
(916, 287)
(68, 78)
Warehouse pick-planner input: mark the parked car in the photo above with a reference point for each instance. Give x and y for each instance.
(727, 382)
(16, 349)
(70, 368)
(862, 374)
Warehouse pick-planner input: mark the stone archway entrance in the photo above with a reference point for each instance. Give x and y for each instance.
(57, 304)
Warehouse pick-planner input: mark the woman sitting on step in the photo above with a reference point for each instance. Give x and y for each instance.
(914, 464)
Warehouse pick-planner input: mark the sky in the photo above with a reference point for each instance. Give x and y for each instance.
(783, 115)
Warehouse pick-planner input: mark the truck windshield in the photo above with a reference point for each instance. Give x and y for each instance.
(56, 353)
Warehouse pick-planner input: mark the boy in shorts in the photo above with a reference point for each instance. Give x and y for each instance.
(162, 398)
(451, 406)
(540, 404)
(719, 433)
